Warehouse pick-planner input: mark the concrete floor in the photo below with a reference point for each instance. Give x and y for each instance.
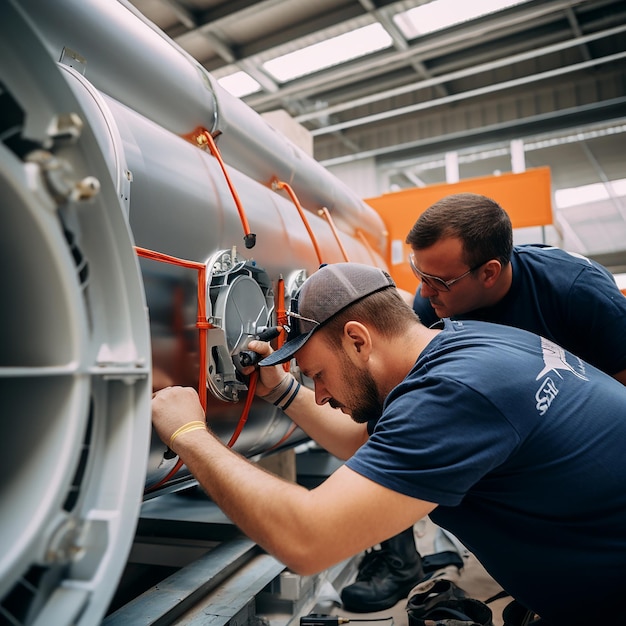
(473, 579)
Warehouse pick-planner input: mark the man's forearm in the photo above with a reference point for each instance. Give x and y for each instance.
(308, 530)
(271, 511)
(330, 428)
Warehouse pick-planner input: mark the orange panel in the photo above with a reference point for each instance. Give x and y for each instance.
(526, 197)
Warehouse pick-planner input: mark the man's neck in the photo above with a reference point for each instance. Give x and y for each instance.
(402, 353)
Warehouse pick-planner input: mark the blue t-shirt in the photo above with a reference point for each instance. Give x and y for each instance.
(521, 445)
(565, 297)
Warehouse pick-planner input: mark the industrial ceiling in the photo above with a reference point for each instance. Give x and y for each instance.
(547, 74)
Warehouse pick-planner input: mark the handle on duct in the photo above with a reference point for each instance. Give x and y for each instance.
(249, 357)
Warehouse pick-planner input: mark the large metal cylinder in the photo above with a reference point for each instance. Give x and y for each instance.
(127, 57)
(74, 351)
(94, 169)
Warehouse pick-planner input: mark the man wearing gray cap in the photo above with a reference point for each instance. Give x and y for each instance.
(506, 440)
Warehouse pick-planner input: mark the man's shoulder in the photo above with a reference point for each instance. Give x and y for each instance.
(527, 253)
(549, 260)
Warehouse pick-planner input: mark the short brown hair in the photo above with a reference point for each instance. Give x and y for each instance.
(479, 222)
(385, 311)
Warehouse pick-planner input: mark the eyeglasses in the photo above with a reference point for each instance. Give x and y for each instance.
(295, 327)
(436, 283)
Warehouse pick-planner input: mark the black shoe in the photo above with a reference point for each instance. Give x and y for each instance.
(385, 576)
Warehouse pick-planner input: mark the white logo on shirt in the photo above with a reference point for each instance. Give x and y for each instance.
(555, 360)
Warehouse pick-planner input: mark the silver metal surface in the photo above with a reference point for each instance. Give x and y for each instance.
(95, 165)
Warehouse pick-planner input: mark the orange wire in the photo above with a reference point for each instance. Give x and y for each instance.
(366, 243)
(324, 212)
(284, 438)
(246, 409)
(201, 323)
(201, 136)
(203, 326)
(242, 422)
(281, 316)
(281, 312)
(281, 185)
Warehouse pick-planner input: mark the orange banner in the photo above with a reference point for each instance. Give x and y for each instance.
(526, 197)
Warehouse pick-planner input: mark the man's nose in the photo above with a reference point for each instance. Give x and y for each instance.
(321, 395)
(427, 292)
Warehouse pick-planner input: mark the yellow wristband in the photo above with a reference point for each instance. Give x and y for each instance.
(188, 427)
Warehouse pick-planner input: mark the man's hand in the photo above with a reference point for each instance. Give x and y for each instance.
(269, 377)
(174, 407)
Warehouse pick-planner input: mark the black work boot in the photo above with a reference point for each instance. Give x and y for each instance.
(385, 576)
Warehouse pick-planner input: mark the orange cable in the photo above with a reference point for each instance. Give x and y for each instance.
(246, 409)
(324, 212)
(281, 312)
(201, 136)
(281, 185)
(203, 326)
(284, 438)
(201, 323)
(281, 316)
(367, 245)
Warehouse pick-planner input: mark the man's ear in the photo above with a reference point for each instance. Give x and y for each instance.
(491, 272)
(357, 339)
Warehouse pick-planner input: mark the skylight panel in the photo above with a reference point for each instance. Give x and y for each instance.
(239, 84)
(440, 14)
(575, 196)
(333, 51)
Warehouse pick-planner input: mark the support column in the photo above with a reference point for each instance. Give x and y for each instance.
(452, 167)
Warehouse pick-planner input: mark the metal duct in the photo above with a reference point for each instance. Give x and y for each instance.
(93, 168)
(128, 58)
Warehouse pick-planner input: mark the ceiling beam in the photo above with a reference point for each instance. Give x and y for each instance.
(464, 73)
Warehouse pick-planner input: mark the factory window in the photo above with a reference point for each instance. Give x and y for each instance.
(239, 84)
(441, 14)
(325, 54)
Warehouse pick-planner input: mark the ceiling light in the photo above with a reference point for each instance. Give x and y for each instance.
(575, 196)
(333, 51)
(440, 14)
(239, 84)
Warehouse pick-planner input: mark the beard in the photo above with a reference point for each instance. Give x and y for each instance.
(364, 401)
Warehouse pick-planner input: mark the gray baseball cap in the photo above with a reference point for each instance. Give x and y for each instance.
(330, 290)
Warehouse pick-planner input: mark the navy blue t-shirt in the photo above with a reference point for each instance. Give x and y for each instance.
(521, 445)
(565, 297)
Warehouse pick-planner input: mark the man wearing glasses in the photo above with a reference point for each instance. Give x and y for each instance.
(463, 254)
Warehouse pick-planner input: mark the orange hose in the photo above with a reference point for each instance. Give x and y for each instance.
(201, 323)
(367, 245)
(281, 185)
(281, 316)
(246, 409)
(284, 438)
(201, 137)
(281, 312)
(203, 326)
(324, 212)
